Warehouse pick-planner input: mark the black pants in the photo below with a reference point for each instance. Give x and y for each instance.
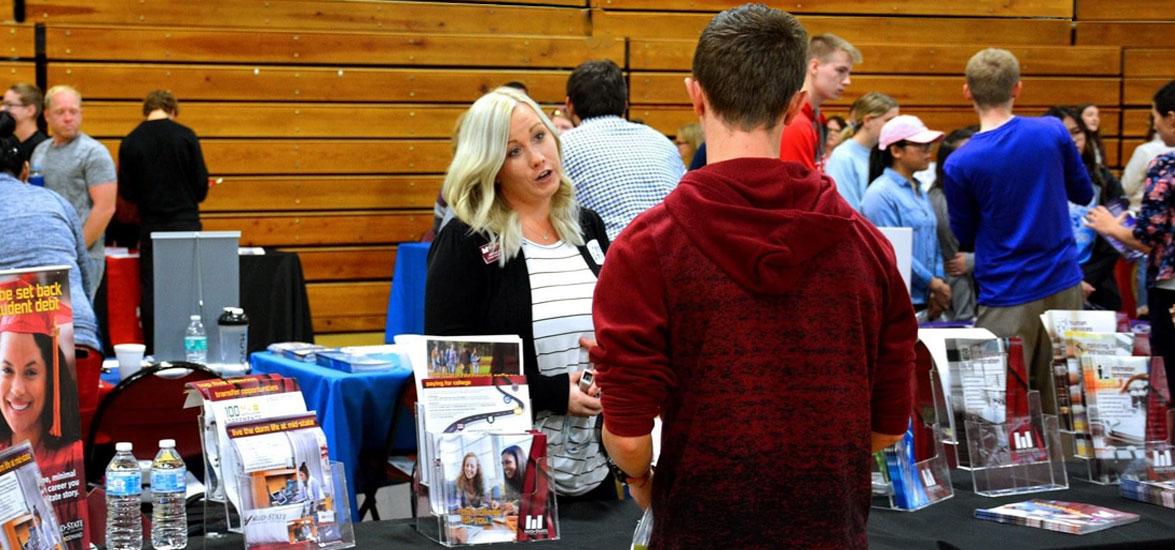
(1159, 301)
(147, 274)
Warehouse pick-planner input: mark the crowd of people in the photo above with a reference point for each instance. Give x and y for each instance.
(746, 284)
(732, 282)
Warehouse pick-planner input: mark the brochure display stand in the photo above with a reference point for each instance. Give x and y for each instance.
(1151, 477)
(483, 474)
(1070, 333)
(1009, 445)
(278, 510)
(1126, 405)
(900, 480)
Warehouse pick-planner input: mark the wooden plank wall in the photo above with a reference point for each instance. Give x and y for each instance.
(329, 120)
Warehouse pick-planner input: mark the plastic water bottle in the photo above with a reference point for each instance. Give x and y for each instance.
(196, 342)
(36, 177)
(124, 486)
(234, 336)
(169, 520)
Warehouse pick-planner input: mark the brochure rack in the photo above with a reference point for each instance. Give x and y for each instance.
(1019, 456)
(1113, 454)
(220, 516)
(453, 516)
(900, 482)
(1151, 477)
(280, 511)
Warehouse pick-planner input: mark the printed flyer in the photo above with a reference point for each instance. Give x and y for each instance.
(1066, 368)
(286, 484)
(26, 517)
(41, 393)
(235, 400)
(1116, 388)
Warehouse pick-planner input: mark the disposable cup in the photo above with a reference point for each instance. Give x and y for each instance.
(130, 359)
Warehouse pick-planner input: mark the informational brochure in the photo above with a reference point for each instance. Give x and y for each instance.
(1116, 389)
(232, 401)
(467, 384)
(26, 518)
(493, 488)
(1056, 515)
(286, 483)
(1066, 368)
(37, 344)
(979, 379)
(1076, 344)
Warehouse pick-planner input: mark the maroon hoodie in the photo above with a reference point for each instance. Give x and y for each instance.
(767, 324)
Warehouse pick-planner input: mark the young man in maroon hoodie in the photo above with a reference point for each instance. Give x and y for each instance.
(759, 316)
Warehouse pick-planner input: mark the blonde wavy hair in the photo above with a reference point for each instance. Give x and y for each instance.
(471, 188)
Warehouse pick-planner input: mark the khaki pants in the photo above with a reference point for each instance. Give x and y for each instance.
(1024, 321)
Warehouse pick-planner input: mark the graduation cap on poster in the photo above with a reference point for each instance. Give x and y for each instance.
(47, 323)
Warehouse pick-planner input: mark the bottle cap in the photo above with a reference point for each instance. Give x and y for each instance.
(123, 446)
(166, 443)
(195, 317)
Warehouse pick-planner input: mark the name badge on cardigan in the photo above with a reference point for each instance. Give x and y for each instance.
(491, 252)
(597, 253)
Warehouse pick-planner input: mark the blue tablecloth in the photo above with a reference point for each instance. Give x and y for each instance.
(354, 410)
(406, 300)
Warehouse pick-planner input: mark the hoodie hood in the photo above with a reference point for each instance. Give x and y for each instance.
(760, 220)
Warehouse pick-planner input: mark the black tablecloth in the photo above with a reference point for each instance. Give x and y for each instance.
(949, 524)
(273, 295)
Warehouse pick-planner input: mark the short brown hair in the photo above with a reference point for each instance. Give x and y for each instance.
(29, 95)
(823, 47)
(991, 75)
(750, 62)
(161, 100)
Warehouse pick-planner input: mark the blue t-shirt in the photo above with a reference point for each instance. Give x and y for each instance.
(1008, 192)
(42, 229)
(893, 201)
(848, 166)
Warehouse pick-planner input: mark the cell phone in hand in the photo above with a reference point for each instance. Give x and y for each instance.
(585, 381)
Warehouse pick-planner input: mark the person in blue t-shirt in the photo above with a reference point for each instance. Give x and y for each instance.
(895, 199)
(1008, 193)
(848, 165)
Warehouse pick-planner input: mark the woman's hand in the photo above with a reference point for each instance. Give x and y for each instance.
(957, 266)
(642, 490)
(1102, 221)
(579, 403)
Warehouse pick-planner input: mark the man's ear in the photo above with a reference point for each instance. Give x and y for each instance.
(967, 92)
(570, 110)
(1017, 88)
(697, 96)
(795, 105)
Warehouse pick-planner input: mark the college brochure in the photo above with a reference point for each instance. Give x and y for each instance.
(27, 519)
(1066, 369)
(235, 400)
(1116, 390)
(286, 484)
(1057, 515)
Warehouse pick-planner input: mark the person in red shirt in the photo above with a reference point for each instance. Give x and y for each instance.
(830, 62)
(759, 316)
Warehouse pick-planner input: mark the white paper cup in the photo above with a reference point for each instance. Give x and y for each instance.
(130, 359)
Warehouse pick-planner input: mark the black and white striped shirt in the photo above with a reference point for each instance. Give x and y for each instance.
(561, 287)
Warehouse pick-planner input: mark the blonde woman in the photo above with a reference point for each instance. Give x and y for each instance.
(848, 165)
(688, 139)
(521, 257)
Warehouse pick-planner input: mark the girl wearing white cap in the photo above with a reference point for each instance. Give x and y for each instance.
(895, 199)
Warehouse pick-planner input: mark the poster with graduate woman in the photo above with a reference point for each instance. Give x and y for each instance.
(38, 388)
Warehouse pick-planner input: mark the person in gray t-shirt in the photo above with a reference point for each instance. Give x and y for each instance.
(81, 170)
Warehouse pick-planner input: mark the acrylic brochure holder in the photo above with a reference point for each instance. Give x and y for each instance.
(1151, 476)
(455, 509)
(281, 510)
(901, 480)
(1010, 446)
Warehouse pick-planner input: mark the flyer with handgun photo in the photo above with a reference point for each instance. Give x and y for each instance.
(26, 518)
(286, 484)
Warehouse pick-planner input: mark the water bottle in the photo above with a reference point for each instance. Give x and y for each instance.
(169, 520)
(234, 336)
(36, 177)
(196, 342)
(124, 486)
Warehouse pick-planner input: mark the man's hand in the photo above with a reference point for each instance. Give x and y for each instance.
(957, 266)
(1087, 289)
(642, 490)
(940, 294)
